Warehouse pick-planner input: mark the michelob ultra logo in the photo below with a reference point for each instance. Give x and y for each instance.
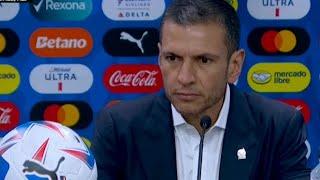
(278, 9)
(278, 41)
(8, 11)
(278, 77)
(61, 42)
(9, 79)
(133, 10)
(61, 78)
(70, 10)
(9, 42)
(74, 114)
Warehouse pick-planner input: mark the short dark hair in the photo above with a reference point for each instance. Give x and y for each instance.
(192, 12)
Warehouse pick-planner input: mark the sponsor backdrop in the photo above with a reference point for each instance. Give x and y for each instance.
(64, 60)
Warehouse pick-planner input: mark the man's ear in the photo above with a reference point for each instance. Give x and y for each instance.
(159, 48)
(235, 65)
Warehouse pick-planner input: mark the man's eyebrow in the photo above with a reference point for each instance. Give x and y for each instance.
(209, 55)
(166, 53)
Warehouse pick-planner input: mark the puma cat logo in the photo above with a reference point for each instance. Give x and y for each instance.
(31, 166)
(128, 37)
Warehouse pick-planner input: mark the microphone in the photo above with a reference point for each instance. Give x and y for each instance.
(205, 123)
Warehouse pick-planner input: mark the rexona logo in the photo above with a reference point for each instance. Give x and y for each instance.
(278, 41)
(9, 42)
(74, 114)
(301, 106)
(9, 79)
(278, 9)
(233, 3)
(61, 42)
(61, 79)
(133, 78)
(278, 77)
(9, 116)
(131, 42)
(8, 11)
(69, 10)
(135, 10)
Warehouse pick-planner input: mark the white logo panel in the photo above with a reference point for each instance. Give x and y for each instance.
(276, 9)
(8, 11)
(61, 79)
(133, 10)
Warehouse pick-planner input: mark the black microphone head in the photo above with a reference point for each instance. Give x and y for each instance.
(205, 122)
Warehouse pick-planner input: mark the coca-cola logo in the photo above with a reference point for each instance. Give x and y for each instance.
(9, 116)
(133, 78)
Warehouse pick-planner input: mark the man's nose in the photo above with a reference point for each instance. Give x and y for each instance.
(186, 74)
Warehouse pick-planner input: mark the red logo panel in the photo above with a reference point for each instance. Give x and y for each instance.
(9, 116)
(301, 106)
(133, 78)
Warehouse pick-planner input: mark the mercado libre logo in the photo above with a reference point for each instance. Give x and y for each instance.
(9, 116)
(9, 42)
(61, 78)
(233, 3)
(301, 106)
(131, 42)
(8, 11)
(133, 10)
(61, 42)
(138, 78)
(279, 77)
(278, 41)
(276, 9)
(74, 114)
(9, 79)
(61, 10)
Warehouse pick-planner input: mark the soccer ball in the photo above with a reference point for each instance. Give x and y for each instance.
(45, 150)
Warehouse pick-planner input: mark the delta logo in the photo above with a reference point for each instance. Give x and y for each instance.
(301, 106)
(278, 41)
(8, 11)
(9, 116)
(73, 114)
(9, 79)
(278, 9)
(61, 42)
(133, 78)
(9, 42)
(61, 10)
(279, 77)
(61, 78)
(131, 42)
(133, 10)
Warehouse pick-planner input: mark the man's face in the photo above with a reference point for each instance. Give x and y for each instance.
(194, 63)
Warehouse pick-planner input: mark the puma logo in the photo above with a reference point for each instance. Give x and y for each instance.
(128, 37)
(31, 166)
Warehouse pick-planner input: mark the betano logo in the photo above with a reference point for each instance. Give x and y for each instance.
(301, 106)
(9, 79)
(74, 114)
(61, 42)
(133, 10)
(278, 41)
(8, 11)
(278, 9)
(61, 78)
(72, 10)
(9, 116)
(9, 42)
(278, 77)
(233, 3)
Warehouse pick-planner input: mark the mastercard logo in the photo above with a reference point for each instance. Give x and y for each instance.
(9, 42)
(76, 115)
(278, 41)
